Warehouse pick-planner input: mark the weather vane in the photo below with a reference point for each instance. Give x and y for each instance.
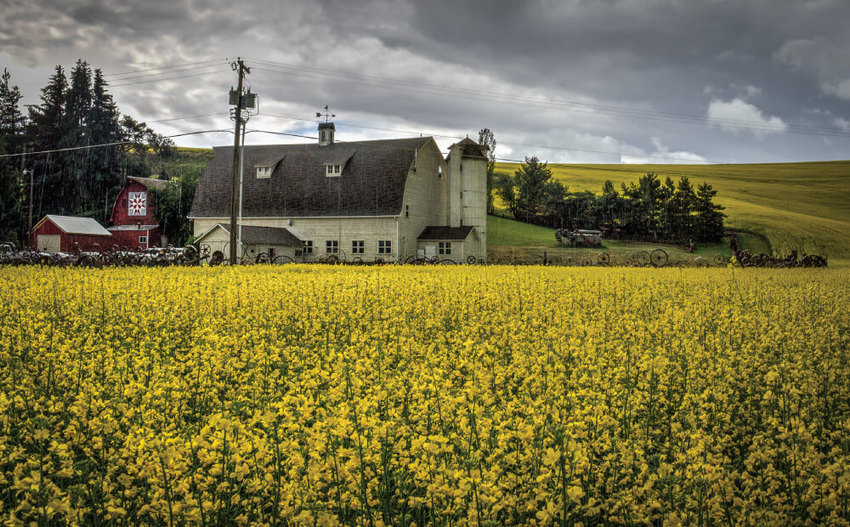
(327, 115)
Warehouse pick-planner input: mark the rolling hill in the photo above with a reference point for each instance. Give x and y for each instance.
(802, 206)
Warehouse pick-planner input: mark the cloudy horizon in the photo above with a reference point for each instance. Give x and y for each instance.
(613, 81)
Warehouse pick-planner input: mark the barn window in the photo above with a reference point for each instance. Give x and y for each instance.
(444, 247)
(143, 239)
(358, 247)
(264, 172)
(332, 247)
(385, 246)
(308, 247)
(333, 170)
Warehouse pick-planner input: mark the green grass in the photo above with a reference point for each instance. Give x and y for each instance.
(510, 240)
(802, 206)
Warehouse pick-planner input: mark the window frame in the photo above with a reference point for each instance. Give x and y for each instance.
(331, 246)
(444, 248)
(266, 171)
(333, 170)
(143, 238)
(308, 246)
(358, 247)
(385, 246)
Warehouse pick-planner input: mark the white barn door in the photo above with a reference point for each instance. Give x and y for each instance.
(48, 243)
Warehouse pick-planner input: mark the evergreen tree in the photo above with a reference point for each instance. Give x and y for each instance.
(531, 179)
(709, 224)
(45, 132)
(11, 142)
(505, 189)
(78, 107)
(684, 203)
(104, 176)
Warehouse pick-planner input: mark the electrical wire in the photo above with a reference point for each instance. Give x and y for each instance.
(545, 102)
(164, 79)
(509, 143)
(163, 68)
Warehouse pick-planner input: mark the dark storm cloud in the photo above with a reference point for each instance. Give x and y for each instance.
(665, 77)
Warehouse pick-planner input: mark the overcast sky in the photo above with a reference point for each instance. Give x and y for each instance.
(589, 81)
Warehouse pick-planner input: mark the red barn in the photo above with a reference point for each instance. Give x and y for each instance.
(67, 233)
(133, 218)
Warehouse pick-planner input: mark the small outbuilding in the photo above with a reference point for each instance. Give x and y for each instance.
(273, 241)
(449, 243)
(69, 233)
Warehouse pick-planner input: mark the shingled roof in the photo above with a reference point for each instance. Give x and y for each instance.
(438, 232)
(254, 235)
(150, 182)
(469, 148)
(371, 183)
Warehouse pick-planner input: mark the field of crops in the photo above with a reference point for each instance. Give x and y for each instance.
(397, 395)
(796, 206)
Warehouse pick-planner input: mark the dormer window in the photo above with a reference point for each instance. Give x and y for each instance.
(333, 170)
(264, 172)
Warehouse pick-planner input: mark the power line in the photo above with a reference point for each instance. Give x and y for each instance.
(189, 117)
(101, 145)
(510, 143)
(163, 68)
(550, 103)
(165, 79)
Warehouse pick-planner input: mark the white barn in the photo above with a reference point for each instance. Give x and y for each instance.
(383, 200)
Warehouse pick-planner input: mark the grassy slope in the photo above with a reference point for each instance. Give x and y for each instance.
(804, 206)
(509, 240)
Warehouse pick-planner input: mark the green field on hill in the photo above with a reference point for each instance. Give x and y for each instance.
(802, 206)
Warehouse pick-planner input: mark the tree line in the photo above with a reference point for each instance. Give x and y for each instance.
(649, 210)
(74, 175)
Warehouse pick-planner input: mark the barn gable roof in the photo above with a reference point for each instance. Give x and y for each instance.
(150, 182)
(371, 182)
(254, 235)
(437, 232)
(469, 148)
(75, 225)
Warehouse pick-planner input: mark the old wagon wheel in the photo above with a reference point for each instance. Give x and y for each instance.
(586, 261)
(190, 255)
(719, 259)
(470, 260)
(263, 258)
(447, 261)
(282, 259)
(217, 258)
(701, 261)
(603, 258)
(658, 258)
(641, 258)
(88, 260)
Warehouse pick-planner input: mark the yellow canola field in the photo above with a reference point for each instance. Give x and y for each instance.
(312, 395)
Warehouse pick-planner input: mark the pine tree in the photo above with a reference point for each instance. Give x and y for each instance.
(76, 134)
(709, 223)
(45, 132)
(531, 179)
(684, 204)
(104, 177)
(11, 142)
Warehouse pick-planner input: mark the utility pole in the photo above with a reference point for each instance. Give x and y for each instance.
(240, 67)
(24, 171)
